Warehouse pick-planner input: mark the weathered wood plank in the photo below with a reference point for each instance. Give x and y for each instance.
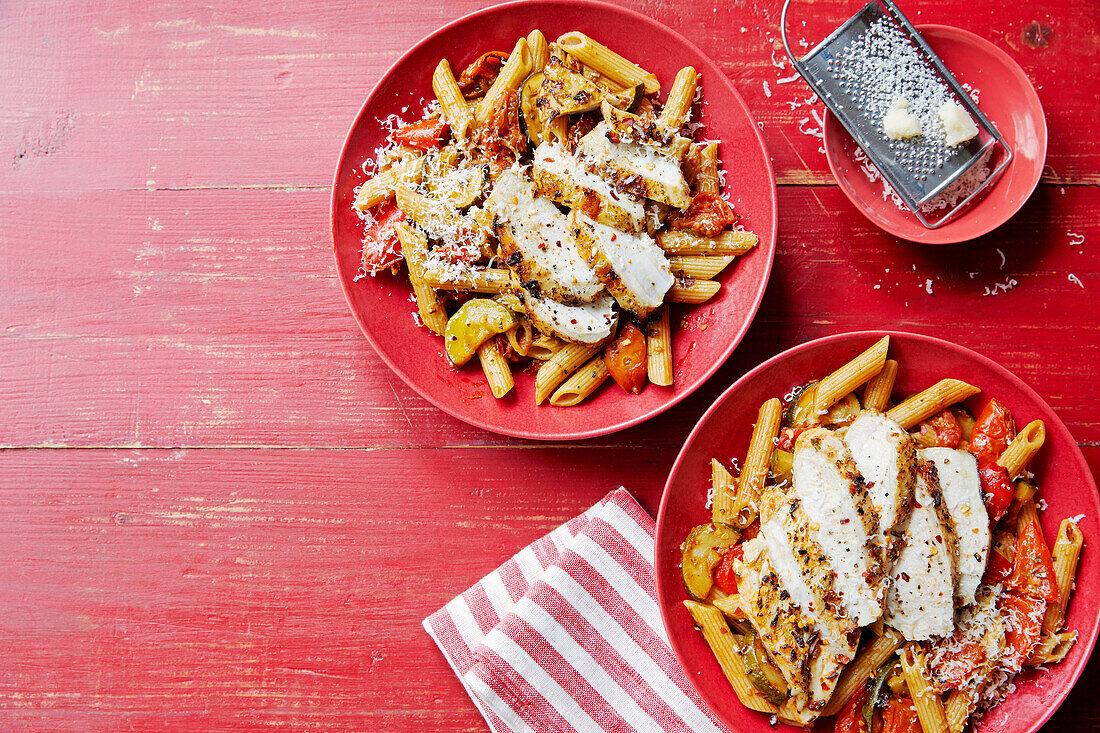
(240, 589)
(183, 96)
(206, 318)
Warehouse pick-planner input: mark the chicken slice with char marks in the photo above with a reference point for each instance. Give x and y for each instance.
(841, 520)
(920, 602)
(885, 456)
(535, 242)
(962, 493)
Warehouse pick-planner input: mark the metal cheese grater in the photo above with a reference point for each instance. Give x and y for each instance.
(860, 70)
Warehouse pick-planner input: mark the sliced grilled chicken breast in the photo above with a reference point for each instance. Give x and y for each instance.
(634, 269)
(962, 493)
(921, 600)
(560, 177)
(589, 323)
(841, 520)
(536, 243)
(786, 633)
(796, 559)
(885, 456)
(641, 170)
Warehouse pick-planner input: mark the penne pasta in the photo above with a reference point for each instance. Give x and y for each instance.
(539, 50)
(453, 105)
(727, 604)
(677, 109)
(514, 71)
(850, 376)
(659, 350)
(429, 214)
(877, 394)
(1028, 513)
(1052, 648)
(581, 383)
(862, 668)
(929, 707)
(757, 462)
(924, 405)
(558, 367)
(486, 280)
(720, 639)
(1022, 448)
(521, 337)
(698, 291)
(544, 346)
(957, 710)
(723, 500)
(705, 173)
(680, 242)
(605, 61)
(699, 268)
(497, 372)
(1066, 552)
(413, 247)
(384, 185)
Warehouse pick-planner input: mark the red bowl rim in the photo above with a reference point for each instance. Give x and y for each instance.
(946, 235)
(674, 397)
(868, 336)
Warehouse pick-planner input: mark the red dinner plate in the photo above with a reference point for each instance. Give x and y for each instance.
(1063, 477)
(1006, 97)
(703, 336)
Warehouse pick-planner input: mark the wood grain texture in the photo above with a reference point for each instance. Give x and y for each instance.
(165, 91)
(183, 318)
(221, 510)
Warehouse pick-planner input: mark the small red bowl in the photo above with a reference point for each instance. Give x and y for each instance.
(1064, 480)
(703, 336)
(1008, 99)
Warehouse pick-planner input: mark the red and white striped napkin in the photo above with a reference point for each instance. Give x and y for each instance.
(566, 636)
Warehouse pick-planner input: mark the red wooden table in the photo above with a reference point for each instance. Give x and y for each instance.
(219, 509)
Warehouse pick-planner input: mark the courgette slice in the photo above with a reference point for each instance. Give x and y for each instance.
(878, 693)
(459, 187)
(701, 552)
(762, 673)
(530, 119)
(844, 412)
(798, 411)
(782, 466)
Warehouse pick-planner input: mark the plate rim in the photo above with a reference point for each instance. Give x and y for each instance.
(674, 397)
(1081, 466)
(937, 237)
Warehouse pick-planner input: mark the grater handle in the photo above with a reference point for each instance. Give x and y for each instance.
(798, 65)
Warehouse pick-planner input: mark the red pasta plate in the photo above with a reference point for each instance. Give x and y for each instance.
(703, 336)
(1063, 477)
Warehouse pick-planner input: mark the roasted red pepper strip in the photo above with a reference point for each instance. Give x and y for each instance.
(625, 358)
(850, 719)
(787, 437)
(708, 216)
(1032, 567)
(900, 717)
(992, 432)
(423, 135)
(941, 430)
(1000, 564)
(997, 490)
(476, 78)
(381, 247)
(1024, 624)
(724, 576)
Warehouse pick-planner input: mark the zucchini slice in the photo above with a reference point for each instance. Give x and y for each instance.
(762, 672)
(702, 550)
(530, 118)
